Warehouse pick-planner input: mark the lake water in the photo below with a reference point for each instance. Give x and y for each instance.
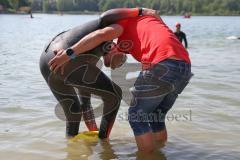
(30, 130)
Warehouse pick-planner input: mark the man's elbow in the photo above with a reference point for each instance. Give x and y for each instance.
(107, 18)
(102, 36)
(107, 34)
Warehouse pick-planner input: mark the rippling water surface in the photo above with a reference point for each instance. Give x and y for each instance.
(30, 130)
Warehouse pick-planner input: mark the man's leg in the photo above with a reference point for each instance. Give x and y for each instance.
(66, 96)
(140, 116)
(91, 79)
(68, 100)
(158, 126)
(149, 92)
(181, 80)
(87, 110)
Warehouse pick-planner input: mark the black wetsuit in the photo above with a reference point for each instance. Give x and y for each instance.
(182, 37)
(82, 73)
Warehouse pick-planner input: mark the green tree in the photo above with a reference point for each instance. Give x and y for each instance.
(60, 4)
(164, 6)
(156, 4)
(45, 6)
(197, 6)
(5, 3)
(14, 4)
(213, 7)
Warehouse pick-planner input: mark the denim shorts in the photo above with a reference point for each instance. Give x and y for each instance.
(154, 93)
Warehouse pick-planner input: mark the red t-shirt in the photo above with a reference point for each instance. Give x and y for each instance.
(149, 40)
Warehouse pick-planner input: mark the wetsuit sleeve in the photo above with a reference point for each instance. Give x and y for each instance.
(176, 34)
(114, 15)
(185, 40)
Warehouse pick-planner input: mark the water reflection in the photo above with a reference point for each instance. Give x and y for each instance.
(106, 150)
(157, 155)
(84, 149)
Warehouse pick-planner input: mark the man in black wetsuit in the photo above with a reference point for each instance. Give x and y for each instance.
(81, 73)
(181, 35)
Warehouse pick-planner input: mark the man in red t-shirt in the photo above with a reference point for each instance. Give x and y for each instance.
(166, 70)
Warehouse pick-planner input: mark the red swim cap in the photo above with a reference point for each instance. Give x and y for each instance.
(178, 24)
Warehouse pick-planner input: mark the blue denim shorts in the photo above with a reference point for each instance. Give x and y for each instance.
(155, 91)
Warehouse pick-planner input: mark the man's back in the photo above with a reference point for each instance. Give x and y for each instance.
(152, 41)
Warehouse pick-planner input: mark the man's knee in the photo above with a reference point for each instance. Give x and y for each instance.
(161, 136)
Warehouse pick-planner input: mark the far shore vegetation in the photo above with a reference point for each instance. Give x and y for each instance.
(165, 7)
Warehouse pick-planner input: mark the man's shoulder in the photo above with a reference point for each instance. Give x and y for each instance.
(176, 33)
(182, 33)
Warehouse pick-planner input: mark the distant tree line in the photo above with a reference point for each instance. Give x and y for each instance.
(169, 7)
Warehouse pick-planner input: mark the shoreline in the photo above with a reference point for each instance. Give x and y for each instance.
(55, 12)
(98, 13)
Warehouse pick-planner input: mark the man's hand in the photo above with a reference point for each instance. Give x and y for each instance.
(150, 12)
(58, 61)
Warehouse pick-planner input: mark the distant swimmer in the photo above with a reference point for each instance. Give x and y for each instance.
(30, 13)
(233, 37)
(180, 34)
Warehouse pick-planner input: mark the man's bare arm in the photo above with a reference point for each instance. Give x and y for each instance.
(110, 32)
(97, 37)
